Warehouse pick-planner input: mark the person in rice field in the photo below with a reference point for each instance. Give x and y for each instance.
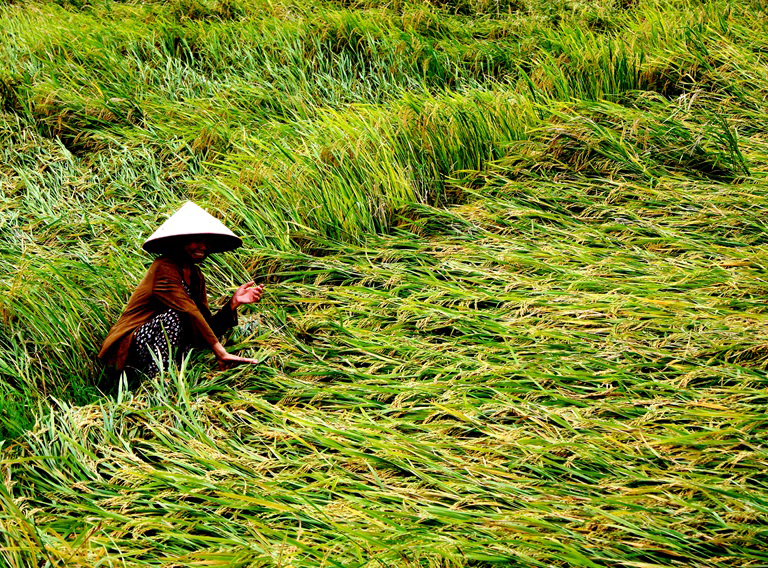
(168, 312)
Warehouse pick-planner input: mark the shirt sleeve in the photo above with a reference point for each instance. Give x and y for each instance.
(168, 288)
(224, 320)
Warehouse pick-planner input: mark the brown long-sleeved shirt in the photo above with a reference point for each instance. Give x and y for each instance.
(163, 288)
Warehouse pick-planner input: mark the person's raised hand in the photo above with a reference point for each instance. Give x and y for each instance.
(246, 294)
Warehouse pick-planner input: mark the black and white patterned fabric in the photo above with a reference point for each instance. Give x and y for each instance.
(164, 337)
(161, 337)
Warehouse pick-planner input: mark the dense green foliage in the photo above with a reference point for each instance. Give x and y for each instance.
(516, 263)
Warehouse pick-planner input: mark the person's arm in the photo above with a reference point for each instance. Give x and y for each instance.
(226, 318)
(228, 358)
(223, 320)
(245, 294)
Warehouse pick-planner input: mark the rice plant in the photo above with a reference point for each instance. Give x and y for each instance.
(515, 265)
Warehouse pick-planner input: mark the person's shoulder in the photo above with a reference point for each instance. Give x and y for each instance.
(164, 265)
(164, 261)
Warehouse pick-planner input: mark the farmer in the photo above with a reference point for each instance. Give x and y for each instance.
(168, 312)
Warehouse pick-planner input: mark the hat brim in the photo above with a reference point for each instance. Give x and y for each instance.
(175, 243)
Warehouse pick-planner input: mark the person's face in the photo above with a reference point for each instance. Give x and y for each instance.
(196, 249)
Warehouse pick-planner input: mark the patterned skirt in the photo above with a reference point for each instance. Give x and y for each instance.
(160, 340)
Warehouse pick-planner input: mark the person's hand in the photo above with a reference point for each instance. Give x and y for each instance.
(226, 360)
(246, 294)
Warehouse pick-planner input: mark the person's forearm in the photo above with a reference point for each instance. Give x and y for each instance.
(219, 350)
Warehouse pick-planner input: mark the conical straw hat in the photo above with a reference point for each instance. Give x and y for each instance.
(191, 220)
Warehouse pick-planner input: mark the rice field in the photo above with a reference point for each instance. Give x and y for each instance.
(515, 259)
